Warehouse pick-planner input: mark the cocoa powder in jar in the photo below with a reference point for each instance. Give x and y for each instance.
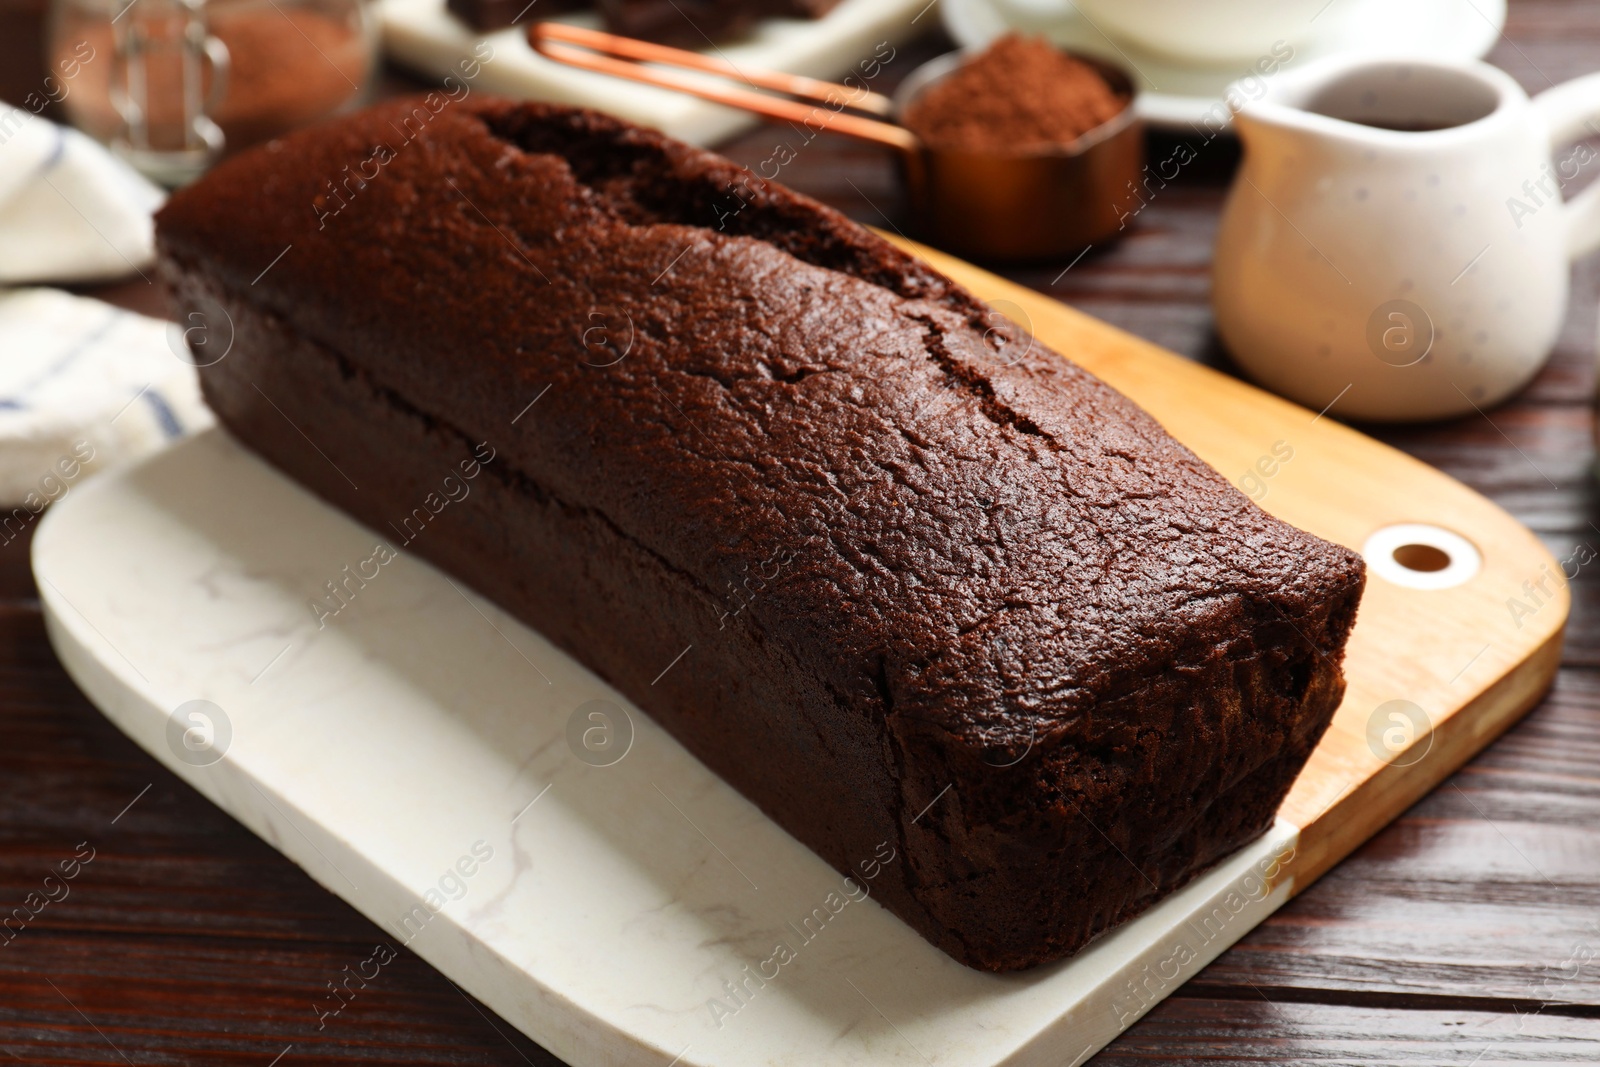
(290, 66)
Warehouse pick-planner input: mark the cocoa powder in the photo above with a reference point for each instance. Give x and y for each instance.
(1021, 94)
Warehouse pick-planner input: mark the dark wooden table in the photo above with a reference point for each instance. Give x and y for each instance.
(1468, 932)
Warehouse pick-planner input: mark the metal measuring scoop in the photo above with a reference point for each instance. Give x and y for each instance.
(1013, 205)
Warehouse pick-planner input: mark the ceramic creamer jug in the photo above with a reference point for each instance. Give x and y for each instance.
(1396, 240)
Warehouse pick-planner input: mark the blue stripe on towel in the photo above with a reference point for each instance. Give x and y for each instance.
(67, 357)
(58, 152)
(163, 413)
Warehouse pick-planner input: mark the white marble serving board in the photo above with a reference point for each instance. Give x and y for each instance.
(423, 35)
(407, 738)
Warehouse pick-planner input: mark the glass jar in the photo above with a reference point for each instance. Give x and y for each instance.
(173, 84)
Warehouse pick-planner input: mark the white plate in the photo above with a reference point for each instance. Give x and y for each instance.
(1173, 94)
(423, 35)
(405, 742)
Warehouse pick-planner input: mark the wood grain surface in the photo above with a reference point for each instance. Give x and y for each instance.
(1468, 932)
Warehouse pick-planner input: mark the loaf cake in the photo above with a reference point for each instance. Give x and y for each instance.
(912, 583)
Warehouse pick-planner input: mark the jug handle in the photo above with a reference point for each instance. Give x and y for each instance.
(1572, 113)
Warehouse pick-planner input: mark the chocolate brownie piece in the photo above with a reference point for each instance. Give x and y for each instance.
(486, 16)
(698, 23)
(920, 581)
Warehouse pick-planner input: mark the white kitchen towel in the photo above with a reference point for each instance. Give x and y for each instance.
(84, 386)
(70, 211)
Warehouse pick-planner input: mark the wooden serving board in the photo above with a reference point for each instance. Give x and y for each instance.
(415, 753)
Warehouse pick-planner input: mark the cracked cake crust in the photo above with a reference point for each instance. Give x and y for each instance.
(943, 587)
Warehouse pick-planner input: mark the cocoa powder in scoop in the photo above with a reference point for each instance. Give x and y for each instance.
(1020, 94)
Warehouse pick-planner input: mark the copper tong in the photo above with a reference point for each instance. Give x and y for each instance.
(622, 57)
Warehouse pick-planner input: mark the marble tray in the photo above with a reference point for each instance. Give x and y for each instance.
(423, 35)
(421, 755)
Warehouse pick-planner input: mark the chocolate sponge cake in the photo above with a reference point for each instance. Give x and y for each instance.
(893, 571)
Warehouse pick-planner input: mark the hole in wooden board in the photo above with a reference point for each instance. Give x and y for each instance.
(1424, 558)
(1420, 555)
